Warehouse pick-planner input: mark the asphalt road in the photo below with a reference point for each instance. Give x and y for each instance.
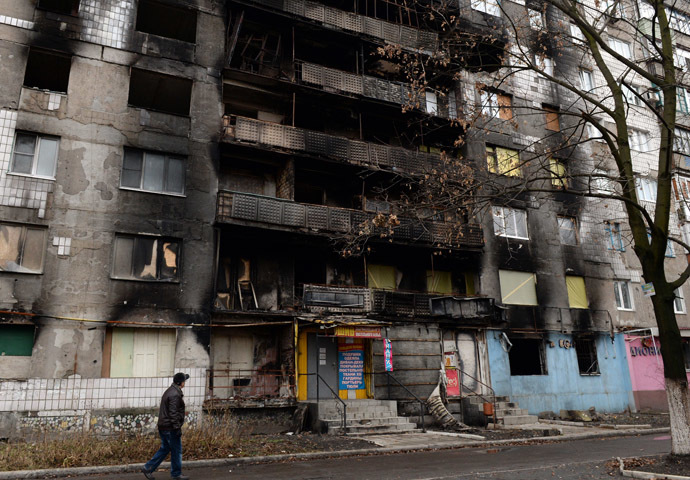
(574, 460)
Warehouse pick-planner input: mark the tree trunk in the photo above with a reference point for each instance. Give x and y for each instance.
(679, 412)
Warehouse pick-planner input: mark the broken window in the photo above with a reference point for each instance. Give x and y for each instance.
(577, 294)
(153, 171)
(67, 7)
(558, 173)
(489, 103)
(487, 6)
(47, 70)
(527, 357)
(510, 222)
(503, 161)
(16, 340)
(166, 20)
(536, 19)
(623, 294)
(552, 122)
(22, 248)
(35, 155)
(146, 258)
(518, 288)
(567, 230)
(141, 352)
(586, 350)
(157, 91)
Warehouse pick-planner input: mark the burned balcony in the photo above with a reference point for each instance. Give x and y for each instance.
(236, 207)
(331, 79)
(249, 388)
(249, 130)
(465, 308)
(336, 299)
(407, 37)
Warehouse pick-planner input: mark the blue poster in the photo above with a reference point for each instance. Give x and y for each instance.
(351, 369)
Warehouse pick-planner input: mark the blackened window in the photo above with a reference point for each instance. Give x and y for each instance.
(67, 7)
(527, 356)
(47, 70)
(166, 20)
(22, 248)
(586, 350)
(146, 258)
(156, 91)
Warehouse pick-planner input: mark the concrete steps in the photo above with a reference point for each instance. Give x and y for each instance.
(507, 413)
(364, 417)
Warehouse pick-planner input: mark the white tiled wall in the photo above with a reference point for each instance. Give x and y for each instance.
(76, 393)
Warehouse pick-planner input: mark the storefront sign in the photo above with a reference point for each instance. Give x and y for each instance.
(644, 351)
(358, 332)
(351, 369)
(388, 355)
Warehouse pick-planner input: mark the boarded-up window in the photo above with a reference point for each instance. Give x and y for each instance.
(552, 122)
(16, 340)
(166, 20)
(439, 282)
(146, 258)
(47, 70)
(503, 161)
(142, 352)
(22, 248)
(505, 106)
(381, 276)
(156, 91)
(577, 294)
(518, 288)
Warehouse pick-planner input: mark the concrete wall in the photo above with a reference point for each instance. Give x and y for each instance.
(564, 387)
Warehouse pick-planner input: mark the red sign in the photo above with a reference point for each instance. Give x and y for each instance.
(453, 386)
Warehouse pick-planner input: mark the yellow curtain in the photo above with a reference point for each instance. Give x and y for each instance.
(557, 173)
(577, 295)
(381, 276)
(439, 282)
(469, 283)
(518, 288)
(508, 162)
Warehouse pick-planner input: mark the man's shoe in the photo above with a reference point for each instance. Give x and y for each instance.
(147, 474)
(181, 477)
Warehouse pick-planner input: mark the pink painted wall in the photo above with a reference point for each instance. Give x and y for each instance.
(646, 370)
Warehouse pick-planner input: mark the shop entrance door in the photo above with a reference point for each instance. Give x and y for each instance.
(322, 357)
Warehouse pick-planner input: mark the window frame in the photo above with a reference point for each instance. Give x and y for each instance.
(536, 19)
(574, 230)
(585, 73)
(618, 287)
(559, 174)
(679, 301)
(495, 166)
(160, 256)
(541, 353)
(505, 211)
(35, 155)
(646, 188)
(615, 238)
(489, 103)
(639, 140)
(168, 157)
(590, 353)
(490, 7)
(21, 247)
(616, 45)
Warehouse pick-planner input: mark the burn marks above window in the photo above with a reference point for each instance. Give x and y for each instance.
(47, 70)
(66, 7)
(153, 172)
(157, 91)
(146, 258)
(165, 20)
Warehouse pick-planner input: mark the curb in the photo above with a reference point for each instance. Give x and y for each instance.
(648, 475)
(220, 462)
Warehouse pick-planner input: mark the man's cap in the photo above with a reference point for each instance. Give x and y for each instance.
(180, 378)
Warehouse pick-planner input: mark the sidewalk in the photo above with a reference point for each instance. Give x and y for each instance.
(381, 444)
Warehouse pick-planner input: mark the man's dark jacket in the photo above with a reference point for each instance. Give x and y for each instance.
(171, 414)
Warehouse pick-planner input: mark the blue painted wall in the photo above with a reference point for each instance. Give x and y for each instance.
(564, 388)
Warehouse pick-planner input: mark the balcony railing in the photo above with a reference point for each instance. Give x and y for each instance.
(233, 206)
(316, 143)
(389, 32)
(248, 387)
(372, 87)
(336, 299)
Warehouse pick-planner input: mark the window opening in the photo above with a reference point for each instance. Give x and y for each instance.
(166, 20)
(586, 351)
(47, 70)
(156, 91)
(66, 7)
(146, 258)
(510, 222)
(22, 248)
(527, 357)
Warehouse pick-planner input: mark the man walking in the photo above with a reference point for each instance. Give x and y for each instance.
(170, 420)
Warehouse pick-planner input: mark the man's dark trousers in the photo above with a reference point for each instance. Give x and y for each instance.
(171, 442)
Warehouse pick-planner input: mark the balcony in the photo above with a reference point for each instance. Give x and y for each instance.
(331, 299)
(331, 79)
(356, 152)
(406, 37)
(247, 388)
(287, 214)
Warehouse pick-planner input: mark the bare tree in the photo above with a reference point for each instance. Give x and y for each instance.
(626, 51)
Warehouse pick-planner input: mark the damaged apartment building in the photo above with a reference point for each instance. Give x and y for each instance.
(177, 181)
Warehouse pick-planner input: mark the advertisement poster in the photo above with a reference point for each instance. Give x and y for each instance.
(453, 386)
(388, 355)
(351, 368)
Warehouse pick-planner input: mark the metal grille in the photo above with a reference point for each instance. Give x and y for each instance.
(427, 40)
(398, 158)
(317, 217)
(272, 134)
(359, 153)
(334, 17)
(295, 6)
(294, 138)
(294, 215)
(340, 220)
(269, 211)
(314, 11)
(391, 32)
(352, 83)
(315, 142)
(372, 27)
(245, 207)
(332, 78)
(312, 74)
(337, 146)
(408, 36)
(321, 298)
(352, 22)
(247, 129)
(378, 155)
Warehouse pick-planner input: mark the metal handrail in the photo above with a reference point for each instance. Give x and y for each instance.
(480, 395)
(333, 393)
(422, 409)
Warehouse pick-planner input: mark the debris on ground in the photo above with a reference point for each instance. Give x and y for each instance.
(660, 464)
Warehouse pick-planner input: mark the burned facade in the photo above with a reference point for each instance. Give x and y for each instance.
(177, 182)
